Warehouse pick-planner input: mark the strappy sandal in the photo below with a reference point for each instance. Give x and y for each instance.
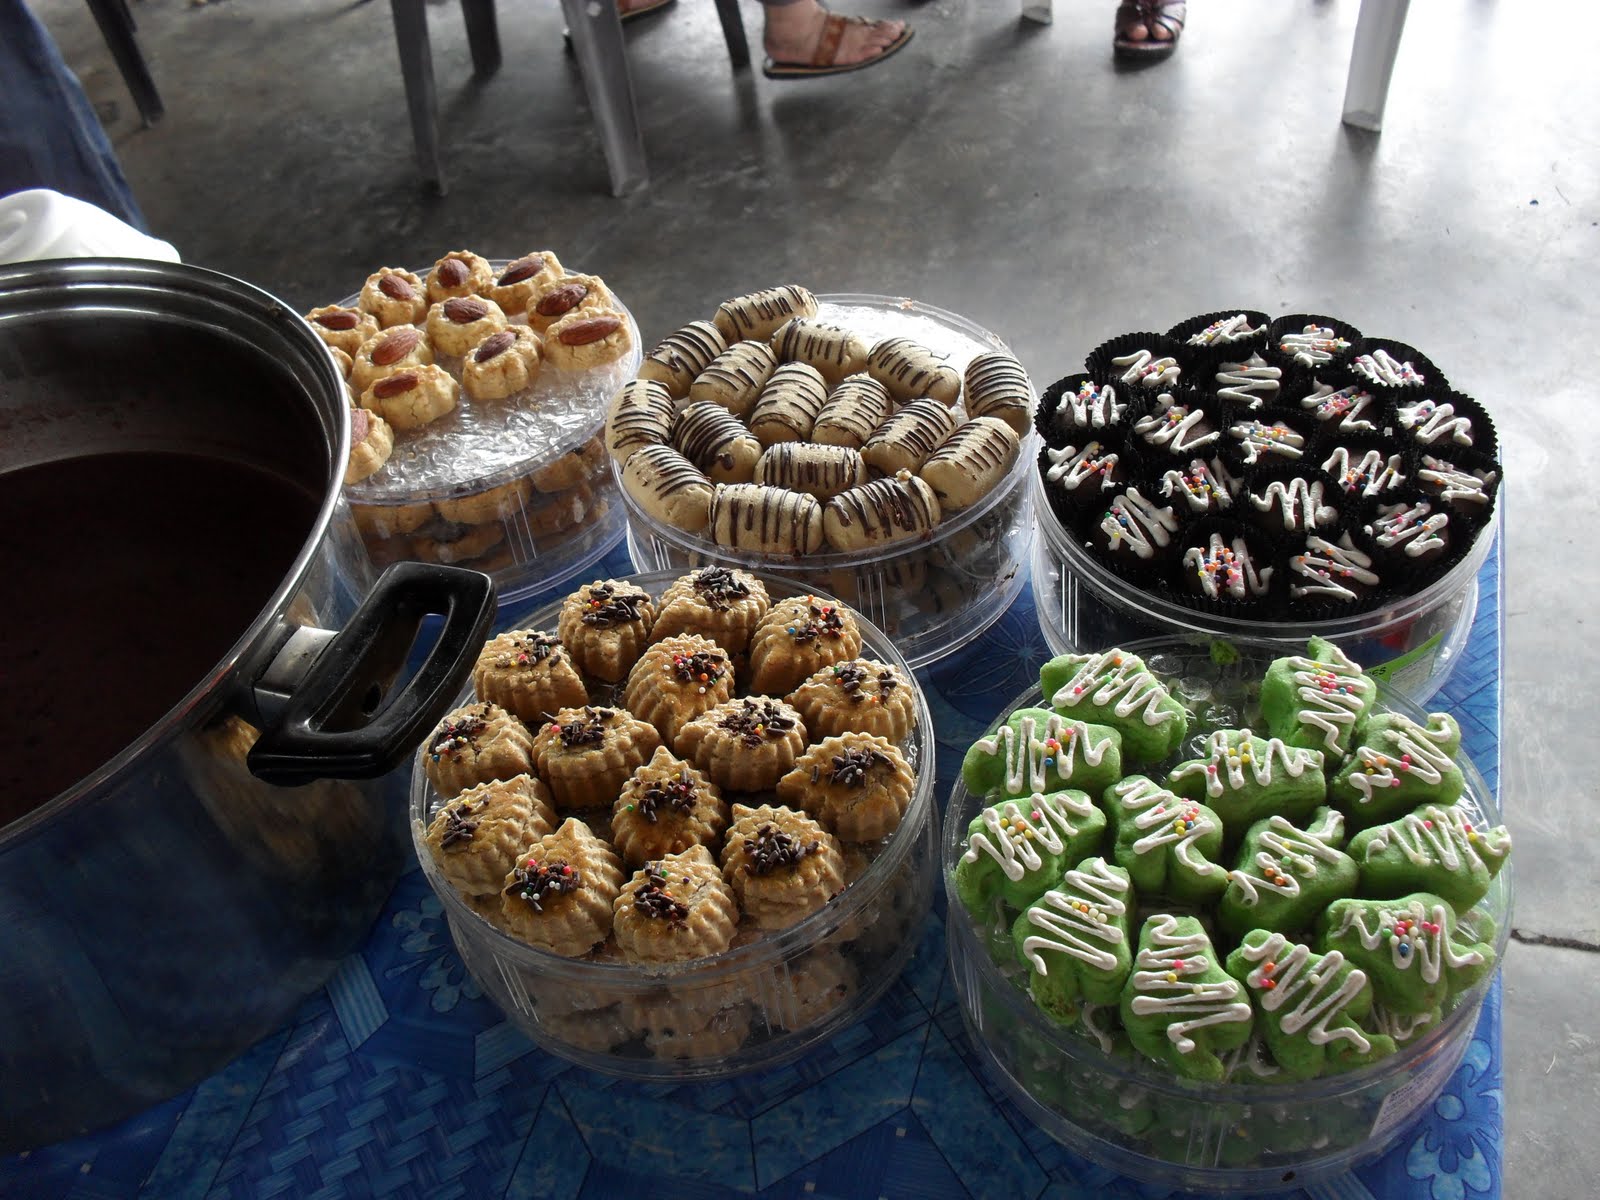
(1152, 14)
(643, 10)
(823, 59)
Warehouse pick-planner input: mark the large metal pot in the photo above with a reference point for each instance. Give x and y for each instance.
(183, 893)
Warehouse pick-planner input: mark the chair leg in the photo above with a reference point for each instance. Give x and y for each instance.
(483, 36)
(416, 69)
(733, 33)
(596, 34)
(116, 26)
(1366, 91)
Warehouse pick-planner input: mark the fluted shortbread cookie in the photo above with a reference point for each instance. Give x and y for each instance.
(781, 864)
(719, 603)
(764, 520)
(671, 488)
(474, 744)
(343, 363)
(528, 673)
(817, 470)
(816, 985)
(491, 504)
(758, 315)
(997, 386)
(860, 696)
(587, 337)
(503, 364)
(587, 754)
(908, 438)
(854, 410)
(399, 349)
(459, 273)
(570, 469)
(459, 544)
(856, 784)
(714, 440)
(640, 415)
(566, 294)
(971, 462)
(910, 370)
(786, 410)
(665, 807)
(394, 296)
(341, 328)
(514, 287)
(560, 894)
(458, 324)
(832, 351)
(681, 356)
(744, 745)
(676, 680)
(412, 398)
(475, 838)
(371, 443)
(877, 513)
(736, 377)
(675, 908)
(797, 638)
(605, 626)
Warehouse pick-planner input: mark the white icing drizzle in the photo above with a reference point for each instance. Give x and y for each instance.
(1203, 485)
(1252, 1057)
(1332, 695)
(1301, 502)
(1423, 757)
(1250, 383)
(1402, 1027)
(1285, 850)
(1078, 918)
(1141, 523)
(1348, 403)
(1146, 370)
(1017, 829)
(1434, 422)
(1382, 367)
(1258, 438)
(1410, 526)
(1455, 485)
(1325, 564)
(1414, 939)
(1443, 836)
(1284, 978)
(1034, 758)
(1314, 345)
(1371, 474)
(1118, 678)
(1229, 329)
(1176, 426)
(1098, 1021)
(1161, 989)
(1092, 406)
(1071, 467)
(1167, 820)
(1224, 567)
(1224, 766)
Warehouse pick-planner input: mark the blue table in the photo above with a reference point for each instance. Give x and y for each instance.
(400, 1079)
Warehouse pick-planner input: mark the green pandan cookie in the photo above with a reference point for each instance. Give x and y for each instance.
(1410, 948)
(1309, 1006)
(1319, 700)
(1074, 940)
(1402, 1028)
(1117, 690)
(1018, 848)
(1244, 777)
(1398, 766)
(1286, 875)
(1037, 750)
(1179, 1006)
(1435, 849)
(1164, 842)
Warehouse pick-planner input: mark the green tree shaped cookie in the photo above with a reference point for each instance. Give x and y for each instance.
(1244, 777)
(1116, 689)
(1018, 848)
(1037, 750)
(1319, 700)
(1401, 1027)
(1179, 1006)
(1164, 842)
(1074, 940)
(1286, 875)
(1308, 1005)
(1410, 948)
(1435, 849)
(1398, 766)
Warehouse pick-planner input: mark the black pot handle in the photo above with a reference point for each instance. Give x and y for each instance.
(326, 730)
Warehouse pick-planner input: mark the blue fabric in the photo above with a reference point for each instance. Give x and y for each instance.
(400, 1079)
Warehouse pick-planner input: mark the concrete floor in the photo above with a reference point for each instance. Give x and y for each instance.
(1010, 172)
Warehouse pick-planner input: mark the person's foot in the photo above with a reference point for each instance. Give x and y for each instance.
(795, 32)
(1148, 28)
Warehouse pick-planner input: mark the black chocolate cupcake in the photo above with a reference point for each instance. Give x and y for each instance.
(1138, 362)
(1228, 335)
(1290, 499)
(1082, 474)
(1389, 367)
(1226, 567)
(1368, 465)
(1204, 486)
(1342, 407)
(1444, 421)
(1313, 342)
(1462, 479)
(1333, 573)
(1270, 437)
(1136, 534)
(1249, 384)
(1411, 530)
(1077, 407)
(1178, 424)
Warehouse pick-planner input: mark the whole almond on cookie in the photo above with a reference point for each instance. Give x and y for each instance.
(396, 344)
(494, 346)
(396, 288)
(394, 385)
(464, 310)
(453, 272)
(582, 333)
(562, 299)
(345, 318)
(523, 268)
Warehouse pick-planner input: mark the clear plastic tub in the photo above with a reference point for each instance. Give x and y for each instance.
(787, 991)
(1412, 646)
(1138, 1119)
(519, 488)
(932, 595)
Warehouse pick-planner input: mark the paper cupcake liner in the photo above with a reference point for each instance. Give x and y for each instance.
(1358, 474)
(1259, 481)
(1124, 563)
(1369, 596)
(1056, 422)
(1204, 356)
(1295, 323)
(1264, 553)
(1069, 504)
(1460, 532)
(1421, 418)
(1218, 415)
(1428, 374)
(1464, 460)
(1157, 345)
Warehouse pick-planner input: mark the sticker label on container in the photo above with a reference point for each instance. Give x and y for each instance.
(1410, 670)
(1400, 1105)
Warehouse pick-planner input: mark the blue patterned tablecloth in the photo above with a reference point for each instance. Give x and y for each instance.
(400, 1079)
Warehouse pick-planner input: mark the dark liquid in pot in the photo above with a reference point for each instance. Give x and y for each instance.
(127, 577)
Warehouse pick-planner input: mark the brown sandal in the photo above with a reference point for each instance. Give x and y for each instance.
(1153, 15)
(827, 51)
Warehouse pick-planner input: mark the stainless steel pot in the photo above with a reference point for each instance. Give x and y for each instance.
(179, 900)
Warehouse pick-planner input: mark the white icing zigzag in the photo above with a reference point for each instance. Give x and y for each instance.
(1229, 329)
(1091, 405)
(1071, 467)
(1224, 766)
(1313, 345)
(1258, 438)
(1443, 836)
(1162, 989)
(1285, 850)
(1402, 1027)
(1203, 485)
(1424, 758)
(1324, 564)
(1456, 486)
(1146, 370)
(1078, 916)
(1249, 383)
(1382, 367)
(1409, 526)
(1061, 742)
(1413, 939)
(1141, 523)
(1348, 403)
(1017, 830)
(1115, 677)
(1370, 475)
(1175, 425)
(1434, 422)
(1283, 978)
(1221, 568)
(1170, 821)
(1301, 502)
(1332, 695)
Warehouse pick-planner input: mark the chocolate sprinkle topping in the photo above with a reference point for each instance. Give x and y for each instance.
(772, 849)
(457, 735)
(752, 720)
(850, 768)
(613, 607)
(531, 650)
(719, 587)
(458, 825)
(703, 666)
(850, 677)
(678, 794)
(588, 731)
(887, 682)
(654, 900)
(825, 622)
(535, 882)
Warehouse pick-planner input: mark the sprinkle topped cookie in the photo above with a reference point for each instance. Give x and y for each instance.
(1075, 940)
(1016, 849)
(1244, 777)
(1167, 844)
(1287, 874)
(1319, 700)
(1117, 690)
(1179, 1006)
(1438, 849)
(1399, 765)
(1037, 750)
(1412, 948)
